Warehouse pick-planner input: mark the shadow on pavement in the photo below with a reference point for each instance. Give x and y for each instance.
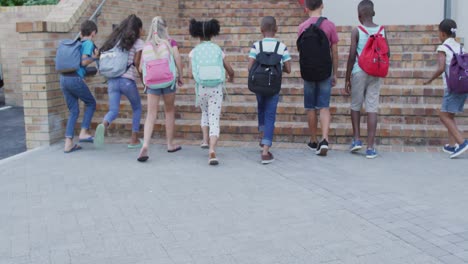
(12, 134)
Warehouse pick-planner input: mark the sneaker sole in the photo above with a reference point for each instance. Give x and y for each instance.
(213, 162)
(322, 151)
(459, 153)
(372, 157)
(355, 149)
(265, 162)
(99, 136)
(448, 152)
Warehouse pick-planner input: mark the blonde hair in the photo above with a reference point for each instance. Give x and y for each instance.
(158, 33)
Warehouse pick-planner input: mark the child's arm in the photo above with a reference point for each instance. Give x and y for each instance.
(179, 65)
(90, 54)
(251, 63)
(440, 68)
(190, 69)
(335, 63)
(351, 59)
(229, 70)
(287, 67)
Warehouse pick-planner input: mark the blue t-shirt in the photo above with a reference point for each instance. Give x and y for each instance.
(87, 48)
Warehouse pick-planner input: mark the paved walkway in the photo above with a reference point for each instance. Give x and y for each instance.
(101, 206)
(12, 135)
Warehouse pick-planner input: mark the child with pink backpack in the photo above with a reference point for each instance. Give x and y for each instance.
(161, 66)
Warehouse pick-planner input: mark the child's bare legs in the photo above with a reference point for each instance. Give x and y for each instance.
(312, 120)
(448, 119)
(153, 106)
(371, 129)
(205, 132)
(356, 121)
(213, 142)
(169, 111)
(325, 119)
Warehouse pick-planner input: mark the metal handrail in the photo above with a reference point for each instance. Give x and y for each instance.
(447, 9)
(94, 16)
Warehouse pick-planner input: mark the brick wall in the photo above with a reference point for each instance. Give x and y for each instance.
(44, 106)
(9, 55)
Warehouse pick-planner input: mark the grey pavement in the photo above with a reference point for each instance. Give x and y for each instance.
(12, 135)
(101, 206)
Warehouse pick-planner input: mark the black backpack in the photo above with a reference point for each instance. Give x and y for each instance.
(265, 76)
(1, 77)
(314, 53)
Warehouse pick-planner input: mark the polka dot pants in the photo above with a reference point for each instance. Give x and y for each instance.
(211, 100)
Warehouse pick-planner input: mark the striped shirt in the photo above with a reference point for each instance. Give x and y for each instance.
(132, 73)
(269, 45)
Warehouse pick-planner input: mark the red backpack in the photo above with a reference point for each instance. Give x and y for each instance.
(374, 57)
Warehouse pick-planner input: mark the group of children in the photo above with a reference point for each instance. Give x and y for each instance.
(209, 69)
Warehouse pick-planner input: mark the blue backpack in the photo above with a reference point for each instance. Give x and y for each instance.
(68, 57)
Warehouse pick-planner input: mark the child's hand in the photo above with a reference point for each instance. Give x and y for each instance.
(334, 78)
(96, 54)
(427, 82)
(231, 78)
(348, 87)
(180, 81)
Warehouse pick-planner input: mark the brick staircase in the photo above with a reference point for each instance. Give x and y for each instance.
(409, 110)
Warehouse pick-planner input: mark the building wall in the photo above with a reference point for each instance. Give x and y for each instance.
(394, 12)
(458, 14)
(9, 55)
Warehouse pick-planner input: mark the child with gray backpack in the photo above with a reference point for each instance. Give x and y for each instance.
(209, 71)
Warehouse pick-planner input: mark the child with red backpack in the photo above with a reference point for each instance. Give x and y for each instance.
(454, 63)
(368, 62)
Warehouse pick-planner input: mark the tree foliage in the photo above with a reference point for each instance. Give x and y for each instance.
(27, 2)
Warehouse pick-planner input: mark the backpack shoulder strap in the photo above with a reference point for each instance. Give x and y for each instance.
(380, 30)
(320, 21)
(261, 46)
(363, 30)
(277, 47)
(450, 48)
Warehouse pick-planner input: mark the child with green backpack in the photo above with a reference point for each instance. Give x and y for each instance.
(209, 71)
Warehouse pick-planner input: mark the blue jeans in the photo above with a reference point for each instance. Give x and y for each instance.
(123, 86)
(267, 117)
(317, 94)
(74, 88)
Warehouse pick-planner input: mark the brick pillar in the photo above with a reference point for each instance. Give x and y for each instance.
(44, 106)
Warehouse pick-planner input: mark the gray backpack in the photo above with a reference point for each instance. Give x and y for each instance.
(114, 62)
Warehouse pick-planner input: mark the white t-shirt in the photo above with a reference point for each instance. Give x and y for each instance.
(448, 53)
(269, 45)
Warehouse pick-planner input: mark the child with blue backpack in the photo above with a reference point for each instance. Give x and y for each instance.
(74, 87)
(453, 102)
(209, 71)
(162, 70)
(268, 58)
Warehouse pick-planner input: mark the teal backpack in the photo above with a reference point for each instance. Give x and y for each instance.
(207, 65)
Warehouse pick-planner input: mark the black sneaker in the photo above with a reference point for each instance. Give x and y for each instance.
(322, 148)
(312, 145)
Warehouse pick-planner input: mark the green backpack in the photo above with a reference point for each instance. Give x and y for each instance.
(207, 65)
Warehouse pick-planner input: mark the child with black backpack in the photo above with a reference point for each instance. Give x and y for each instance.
(268, 58)
(450, 54)
(318, 57)
(73, 85)
(364, 74)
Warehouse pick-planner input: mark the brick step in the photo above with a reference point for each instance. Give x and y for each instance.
(296, 89)
(235, 38)
(296, 132)
(342, 56)
(425, 114)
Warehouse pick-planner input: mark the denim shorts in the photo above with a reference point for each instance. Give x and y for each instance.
(453, 103)
(317, 94)
(162, 91)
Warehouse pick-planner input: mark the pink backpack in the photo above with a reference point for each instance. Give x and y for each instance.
(159, 69)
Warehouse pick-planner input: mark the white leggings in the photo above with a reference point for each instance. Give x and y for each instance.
(211, 100)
